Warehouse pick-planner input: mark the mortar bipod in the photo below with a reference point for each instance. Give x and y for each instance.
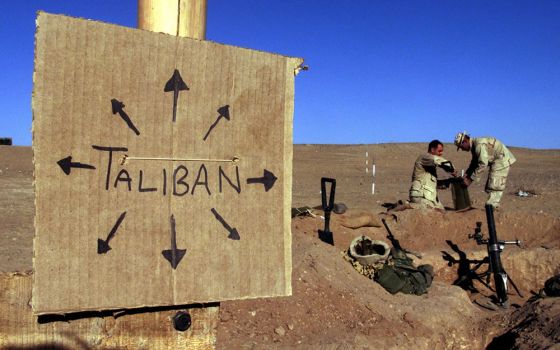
(494, 248)
(328, 205)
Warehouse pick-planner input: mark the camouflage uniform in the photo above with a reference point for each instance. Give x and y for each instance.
(423, 190)
(490, 152)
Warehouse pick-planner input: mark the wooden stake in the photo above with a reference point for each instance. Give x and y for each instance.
(185, 18)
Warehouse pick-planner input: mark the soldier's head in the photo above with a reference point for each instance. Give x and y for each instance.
(436, 148)
(463, 141)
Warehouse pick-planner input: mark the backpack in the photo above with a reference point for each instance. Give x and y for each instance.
(403, 277)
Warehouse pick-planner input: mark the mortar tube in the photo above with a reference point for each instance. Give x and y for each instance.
(500, 277)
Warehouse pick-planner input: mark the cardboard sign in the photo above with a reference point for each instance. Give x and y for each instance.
(162, 169)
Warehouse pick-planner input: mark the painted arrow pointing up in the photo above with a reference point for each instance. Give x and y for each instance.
(103, 245)
(173, 255)
(175, 84)
(267, 180)
(66, 165)
(223, 113)
(117, 107)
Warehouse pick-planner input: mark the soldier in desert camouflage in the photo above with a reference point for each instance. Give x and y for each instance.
(487, 152)
(423, 191)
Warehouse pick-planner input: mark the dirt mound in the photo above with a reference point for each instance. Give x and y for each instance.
(335, 307)
(534, 326)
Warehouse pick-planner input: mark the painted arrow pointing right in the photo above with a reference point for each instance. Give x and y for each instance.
(233, 234)
(223, 112)
(267, 180)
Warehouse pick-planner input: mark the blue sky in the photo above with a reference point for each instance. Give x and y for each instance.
(380, 71)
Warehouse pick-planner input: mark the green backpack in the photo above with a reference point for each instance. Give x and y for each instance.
(403, 277)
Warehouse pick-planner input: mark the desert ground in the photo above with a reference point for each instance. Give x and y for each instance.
(335, 307)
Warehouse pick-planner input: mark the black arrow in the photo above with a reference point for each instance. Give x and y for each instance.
(117, 107)
(233, 234)
(267, 180)
(66, 165)
(223, 113)
(173, 255)
(103, 245)
(175, 84)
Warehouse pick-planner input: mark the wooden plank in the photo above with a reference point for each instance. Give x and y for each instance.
(139, 329)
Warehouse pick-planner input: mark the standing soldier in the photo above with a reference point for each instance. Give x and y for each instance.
(487, 152)
(423, 190)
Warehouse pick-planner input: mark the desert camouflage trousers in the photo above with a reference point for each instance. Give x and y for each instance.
(423, 203)
(496, 183)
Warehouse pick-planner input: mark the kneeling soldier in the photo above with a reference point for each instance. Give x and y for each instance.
(423, 190)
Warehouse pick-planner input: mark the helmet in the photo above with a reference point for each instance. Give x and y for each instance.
(459, 138)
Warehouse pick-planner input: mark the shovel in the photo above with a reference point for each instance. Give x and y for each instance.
(326, 235)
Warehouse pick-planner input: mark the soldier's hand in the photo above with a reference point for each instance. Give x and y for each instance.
(454, 173)
(467, 181)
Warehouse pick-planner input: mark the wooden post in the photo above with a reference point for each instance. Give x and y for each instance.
(186, 18)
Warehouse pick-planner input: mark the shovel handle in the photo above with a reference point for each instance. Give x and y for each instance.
(328, 205)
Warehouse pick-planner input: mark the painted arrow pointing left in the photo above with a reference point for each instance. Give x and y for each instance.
(118, 107)
(103, 245)
(66, 165)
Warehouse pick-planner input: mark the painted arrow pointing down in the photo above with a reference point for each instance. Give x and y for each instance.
(117, 107)
(267, 180)
(173, 255)
(175, 84)
(103, 245)
(233, 234)
(66, 165)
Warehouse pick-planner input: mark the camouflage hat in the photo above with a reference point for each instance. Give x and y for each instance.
(459, 139)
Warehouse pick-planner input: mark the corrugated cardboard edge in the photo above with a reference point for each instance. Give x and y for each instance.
(291, 65)
(33, 92)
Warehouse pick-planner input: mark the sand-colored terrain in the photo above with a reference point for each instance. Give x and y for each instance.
(333, 306)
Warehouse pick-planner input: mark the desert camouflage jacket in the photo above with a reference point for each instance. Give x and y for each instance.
(488, 151)
(424, 176)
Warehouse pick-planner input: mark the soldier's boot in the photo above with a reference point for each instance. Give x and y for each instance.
(423, 203)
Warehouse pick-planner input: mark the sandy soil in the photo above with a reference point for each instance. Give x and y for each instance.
(332, 305)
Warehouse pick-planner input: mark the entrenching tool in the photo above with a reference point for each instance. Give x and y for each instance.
(326, 235)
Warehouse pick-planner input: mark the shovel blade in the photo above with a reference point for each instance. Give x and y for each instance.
(326, 236)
